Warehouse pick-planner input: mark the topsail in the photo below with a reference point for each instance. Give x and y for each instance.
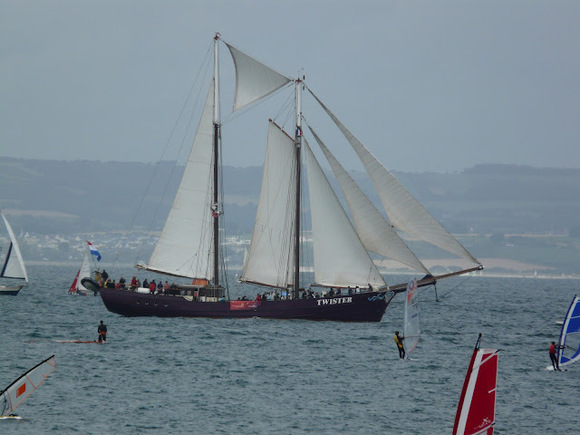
(254, 80)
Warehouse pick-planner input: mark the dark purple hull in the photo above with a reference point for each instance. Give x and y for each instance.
(360, 307)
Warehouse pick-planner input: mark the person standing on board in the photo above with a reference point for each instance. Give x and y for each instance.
(102, 330)
(553, 357)
(399, 340)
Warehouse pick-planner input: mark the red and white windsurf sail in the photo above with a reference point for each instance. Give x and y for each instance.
(476, 408)
(21, 388)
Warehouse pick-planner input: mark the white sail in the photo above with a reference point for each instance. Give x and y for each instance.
(21, 388)
(340, 259)
(254, 80)
(374, 231)
(270, 260)
(411, 324)
(403, 210)
(84, 271)
(13, 264)
(185, 247)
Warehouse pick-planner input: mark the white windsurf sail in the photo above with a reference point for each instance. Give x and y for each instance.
(569, 351)
(411, 325)
(19, 390)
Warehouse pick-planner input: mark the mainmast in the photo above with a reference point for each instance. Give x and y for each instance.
(298, 142)
(216, 141)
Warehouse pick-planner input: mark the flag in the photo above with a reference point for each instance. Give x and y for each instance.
(94, 251)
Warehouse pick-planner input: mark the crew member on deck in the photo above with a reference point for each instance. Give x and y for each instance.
(102, 330)
(399, 340)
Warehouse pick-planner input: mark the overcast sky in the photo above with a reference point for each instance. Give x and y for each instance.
(426, 85)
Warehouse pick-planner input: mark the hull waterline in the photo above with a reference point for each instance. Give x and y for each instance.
(360, 307)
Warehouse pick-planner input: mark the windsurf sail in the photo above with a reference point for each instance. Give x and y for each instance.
(476, 408)
(569, 350)
(411, 325)
(21, 388)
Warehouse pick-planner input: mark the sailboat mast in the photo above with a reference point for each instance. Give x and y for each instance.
(216, 138)
(298, 142)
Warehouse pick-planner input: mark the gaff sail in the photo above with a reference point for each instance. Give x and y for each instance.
(476, 408)
(21, 388)
(411, 325)
(569, 351)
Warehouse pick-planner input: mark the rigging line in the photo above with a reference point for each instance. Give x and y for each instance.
(453, 289)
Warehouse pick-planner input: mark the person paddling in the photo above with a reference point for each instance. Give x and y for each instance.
(399, 340)
(102, 330)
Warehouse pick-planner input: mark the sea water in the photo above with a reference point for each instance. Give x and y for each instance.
(259, 376)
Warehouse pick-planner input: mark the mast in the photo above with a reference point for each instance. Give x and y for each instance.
(298, 142)
(216, 139)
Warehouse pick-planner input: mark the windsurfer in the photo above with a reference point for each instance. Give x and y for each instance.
(553, 357)
(399, 340)
(102, 330)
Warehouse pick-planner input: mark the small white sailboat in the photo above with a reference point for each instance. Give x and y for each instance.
(476, 408)
(77, 287)
(13, 270)
(411, 324)
(19, 390)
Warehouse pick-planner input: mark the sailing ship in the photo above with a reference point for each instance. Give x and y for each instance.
(411, 322)
(569, 349)
(13, 270)
(19, 390)
(351, 286)
(77, 287)
(476, 408)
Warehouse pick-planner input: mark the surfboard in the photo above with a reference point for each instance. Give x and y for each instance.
(80, 341)
(550, 368)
